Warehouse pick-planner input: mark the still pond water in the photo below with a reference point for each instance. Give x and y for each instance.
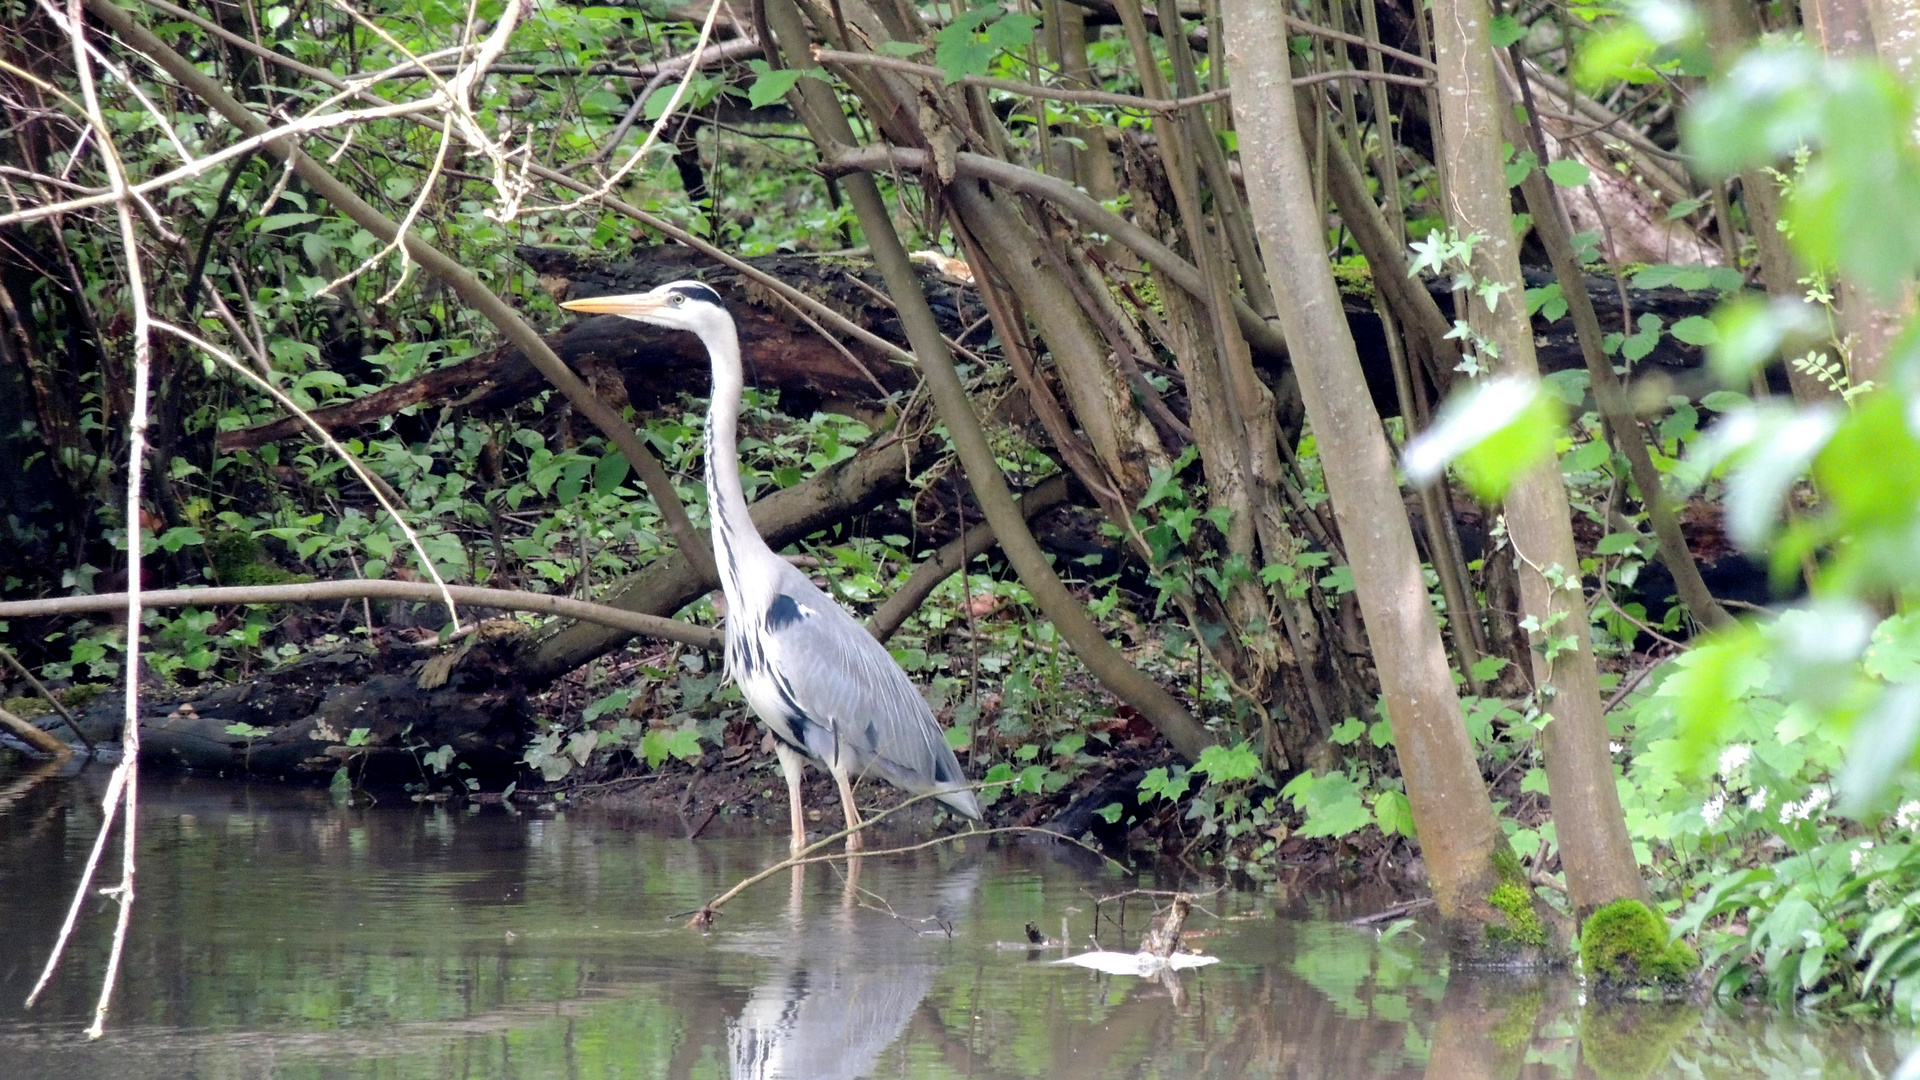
(277, 935)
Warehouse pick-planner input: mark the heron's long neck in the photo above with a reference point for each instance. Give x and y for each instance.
(733, 532)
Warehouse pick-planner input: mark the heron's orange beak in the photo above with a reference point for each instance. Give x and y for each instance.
(633, 305)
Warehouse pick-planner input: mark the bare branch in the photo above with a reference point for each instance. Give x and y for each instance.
(361, 588)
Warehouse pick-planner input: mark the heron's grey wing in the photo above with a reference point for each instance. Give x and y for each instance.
(847, 683)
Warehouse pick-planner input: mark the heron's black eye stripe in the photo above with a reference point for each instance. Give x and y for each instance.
(701, 293)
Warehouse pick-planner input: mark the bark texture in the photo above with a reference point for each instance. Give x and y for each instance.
(1458, 832)
(1592, 831)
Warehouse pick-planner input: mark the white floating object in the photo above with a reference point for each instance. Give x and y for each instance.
(1142, 964)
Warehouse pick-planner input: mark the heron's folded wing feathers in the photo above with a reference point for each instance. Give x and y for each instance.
(848, 683)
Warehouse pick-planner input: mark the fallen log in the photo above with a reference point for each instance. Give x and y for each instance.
(632, 363)
(379, 712)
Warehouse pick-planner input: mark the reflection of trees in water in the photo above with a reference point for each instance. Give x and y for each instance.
(277, 934)
(845, 986)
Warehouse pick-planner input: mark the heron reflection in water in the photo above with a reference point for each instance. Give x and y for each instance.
(844, 989)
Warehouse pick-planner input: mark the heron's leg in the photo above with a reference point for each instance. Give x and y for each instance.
(847, 807)
(793, 765)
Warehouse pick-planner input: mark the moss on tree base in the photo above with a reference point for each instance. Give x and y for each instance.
(1624, 948)
(1513, 899)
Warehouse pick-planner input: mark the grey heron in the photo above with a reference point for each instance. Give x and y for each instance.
(822, 685)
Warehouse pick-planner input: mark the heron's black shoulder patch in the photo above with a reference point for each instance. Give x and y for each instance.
(783, 612)
(700, 292)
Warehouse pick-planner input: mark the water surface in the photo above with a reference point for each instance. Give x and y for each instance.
(279, 935)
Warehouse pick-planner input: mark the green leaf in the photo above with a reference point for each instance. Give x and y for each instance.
(1012, 31)
(609, 472)
(1393, 813)
(961, 49)
(1568, 173)
(1487, 667)
(1519, 168)
(1617, 543)
(1569, 386)
(1613, 55)
(1696, 330)
(1347, 732)
(1491, 434)
(1894, 654)
(771, 85)
(1725, 400)
(1224, 764)
(1110, 813)
(1506, 30)
(280, 221)
(1655, 277)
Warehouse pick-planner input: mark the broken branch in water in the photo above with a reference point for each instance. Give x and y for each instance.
(703, 917)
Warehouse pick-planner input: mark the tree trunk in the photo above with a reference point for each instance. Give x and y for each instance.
(1592, 830)
(1455, 819)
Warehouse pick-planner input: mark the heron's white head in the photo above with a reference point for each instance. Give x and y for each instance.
(677, 305)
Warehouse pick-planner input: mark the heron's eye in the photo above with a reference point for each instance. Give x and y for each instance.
(676, 299)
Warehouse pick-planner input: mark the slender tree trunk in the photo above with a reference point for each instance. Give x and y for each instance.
(1592, 830)
(1455, 819)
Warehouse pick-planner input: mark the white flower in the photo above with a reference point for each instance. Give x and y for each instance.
(1614, 748)
(1816, 801)
(1734, 758)
(1908, 815)
(1859, 853)
(1710, 813)
(1757, 800)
